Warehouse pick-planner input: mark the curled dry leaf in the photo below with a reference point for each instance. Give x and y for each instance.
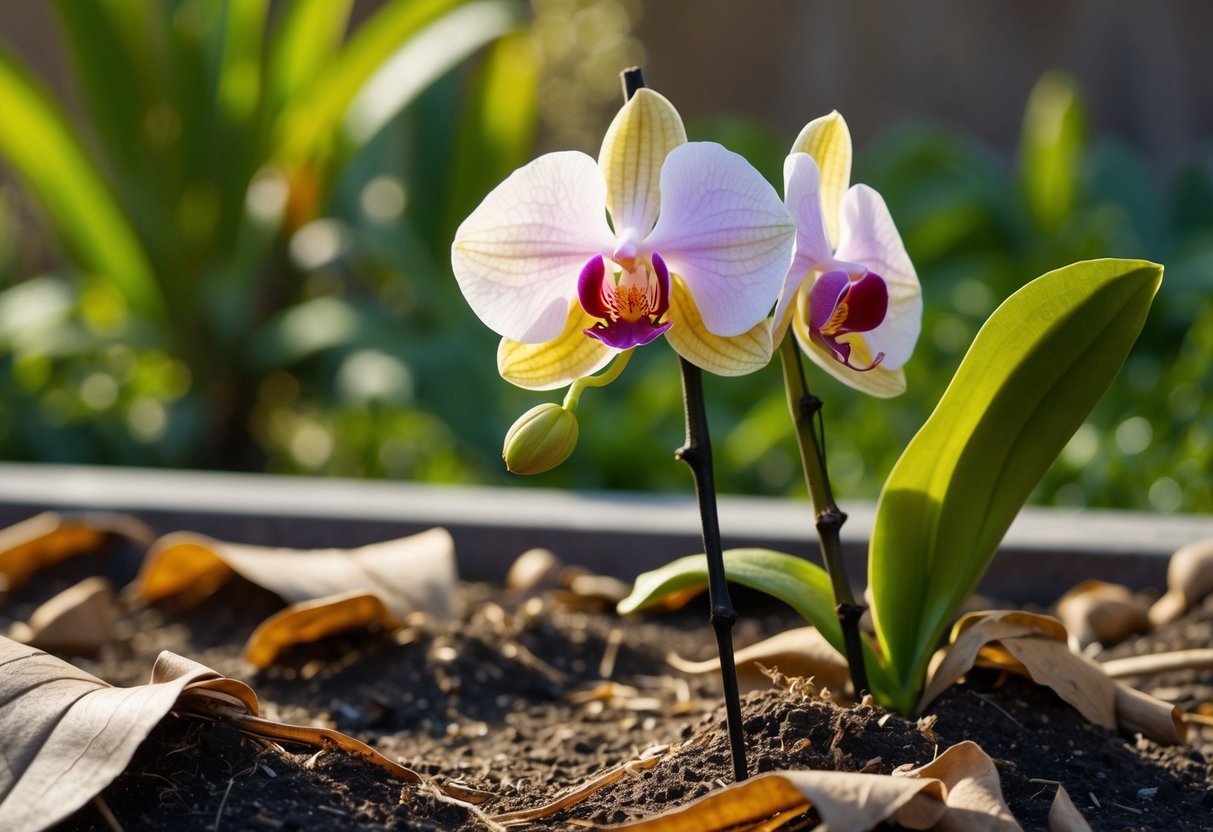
(802, 651)
(1064, 815)
(330, 590)
(1035, 646)
(1189, 579)
(48, 538)
(68, 734)
(76, 621)
(1031, 645)
(534, 569)
(959, 790)
(973, 793)
(1100, 612)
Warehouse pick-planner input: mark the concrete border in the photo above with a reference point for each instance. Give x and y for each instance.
(1045, 551)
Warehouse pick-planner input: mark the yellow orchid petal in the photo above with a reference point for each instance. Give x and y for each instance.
(556, 363)
(644, 131)
(828, 141)
(690, 338)
(878, 381)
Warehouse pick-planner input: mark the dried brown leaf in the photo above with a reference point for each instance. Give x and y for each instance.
(409, 573)
(1140, 713)
(48, 538)
(973, 793)
(845, 801)
(312, 620)
(801, 651)
(76, 621)
(1030, 645)
(68, 734)
(1100, 612)
(1189, 579)
(1064, 815)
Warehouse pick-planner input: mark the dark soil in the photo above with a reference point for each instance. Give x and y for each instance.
(513, 699)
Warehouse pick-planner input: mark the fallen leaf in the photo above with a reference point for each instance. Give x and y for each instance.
(49, 538)
(1140, 713)
(410, 573)
(845, 801)
(534, 569)
(329, 590)
(68, 734)
(1030, 645)
(1189, 579)
(1035, 646)
(313, 620)
(801, 651)
(973, 793)
(1064, 815)
(1100, 612)
(77, 621)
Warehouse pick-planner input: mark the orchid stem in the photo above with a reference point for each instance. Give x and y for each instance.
(604, 378)
(697, 454)
(806, 407)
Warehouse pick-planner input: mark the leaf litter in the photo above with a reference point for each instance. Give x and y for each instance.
(463, 702)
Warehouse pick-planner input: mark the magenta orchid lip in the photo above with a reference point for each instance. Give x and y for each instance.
(629, 303)
(840, 304)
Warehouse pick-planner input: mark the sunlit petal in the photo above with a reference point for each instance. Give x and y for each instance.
(518, 255)
(735, 356)
(725, 232)
(870, 237)
(802, 195)
(636, 144)
(880, 381)
(558, 362)
(828, 141)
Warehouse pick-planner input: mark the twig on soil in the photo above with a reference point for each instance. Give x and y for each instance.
(438, 794)
(647, 759)
(1126, 808)
(606, 668)
(1193, 659)
(222, 803)
(106, 815)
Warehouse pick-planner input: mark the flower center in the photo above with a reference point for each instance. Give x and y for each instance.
(629, 305)
(839, 304)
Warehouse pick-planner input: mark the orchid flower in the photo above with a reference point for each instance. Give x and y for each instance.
(851, 296)
(696, 249)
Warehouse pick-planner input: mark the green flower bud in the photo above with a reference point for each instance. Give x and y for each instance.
(541, 439)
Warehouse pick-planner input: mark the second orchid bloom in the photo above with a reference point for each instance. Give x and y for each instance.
(852, 297)
(696, 249)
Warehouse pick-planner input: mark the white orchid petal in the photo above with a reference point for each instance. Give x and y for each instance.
(636, 144)
(870, 238)
(518, 255)
(802, 195)
(828, 141)
(725, 232)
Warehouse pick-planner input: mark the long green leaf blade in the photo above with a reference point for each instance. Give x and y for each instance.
(1035, 370)
(308, 37)
(308, 126)
(37, 141)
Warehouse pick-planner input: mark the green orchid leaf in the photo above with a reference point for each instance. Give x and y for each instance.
(1033, 373)
(802, 585)
(1050, 150)
(40, 146)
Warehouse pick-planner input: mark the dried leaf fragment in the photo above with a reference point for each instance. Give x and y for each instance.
(49, 538)
(801, 651)
(76, 621)
(311, 620)
(415, 573)
(1189, 579)
(973, 793)
(1100, 612)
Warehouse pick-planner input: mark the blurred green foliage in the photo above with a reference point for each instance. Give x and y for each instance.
(253, 214)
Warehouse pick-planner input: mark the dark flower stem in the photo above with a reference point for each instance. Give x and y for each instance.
(697, 454)
(805, 407)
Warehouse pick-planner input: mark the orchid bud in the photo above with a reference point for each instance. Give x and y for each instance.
(541, 439)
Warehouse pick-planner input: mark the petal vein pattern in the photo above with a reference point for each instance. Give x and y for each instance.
(517, 257)
(725, 232)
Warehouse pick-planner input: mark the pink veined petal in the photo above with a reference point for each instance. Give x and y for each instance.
(725, 232)
(518, 255)
(870, 238)
(802, 195)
